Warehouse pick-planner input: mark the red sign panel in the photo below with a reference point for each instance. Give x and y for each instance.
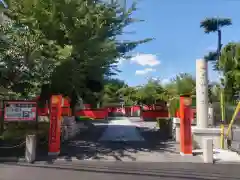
(20, 111)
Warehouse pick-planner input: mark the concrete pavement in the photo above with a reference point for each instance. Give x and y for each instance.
(155, 147)
(117, 171)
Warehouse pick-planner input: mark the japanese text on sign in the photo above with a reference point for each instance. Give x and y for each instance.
(20, 111)
(54, 124)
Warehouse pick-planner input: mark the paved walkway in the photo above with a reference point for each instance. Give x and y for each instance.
(121, 131)
(121, 140)
(166, 152)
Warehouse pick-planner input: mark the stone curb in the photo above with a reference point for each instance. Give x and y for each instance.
(12, 159)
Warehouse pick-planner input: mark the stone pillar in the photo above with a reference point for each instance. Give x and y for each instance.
(207, 150)
(202, 93)
(30, 152)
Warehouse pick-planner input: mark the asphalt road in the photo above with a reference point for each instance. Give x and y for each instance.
(117, 171)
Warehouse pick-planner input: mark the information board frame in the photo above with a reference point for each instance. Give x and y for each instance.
(21, 102)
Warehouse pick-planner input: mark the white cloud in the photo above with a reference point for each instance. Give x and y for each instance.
(145, 60)
(144, 71)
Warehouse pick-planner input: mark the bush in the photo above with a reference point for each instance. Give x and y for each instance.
(83, 118)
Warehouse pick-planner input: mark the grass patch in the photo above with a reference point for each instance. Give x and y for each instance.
(14, 135)
(18, 131)
(84, 118)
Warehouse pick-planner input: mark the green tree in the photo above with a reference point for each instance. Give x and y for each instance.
(229, 65)
(182, 84)
(23, 68)
(212, 25)
(85, 33)
(113, 91)
(151, 92)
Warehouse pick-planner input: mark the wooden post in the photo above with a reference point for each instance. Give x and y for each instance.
(55, 125)
(185, 126)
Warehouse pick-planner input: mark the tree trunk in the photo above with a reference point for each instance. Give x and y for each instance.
(219, 43)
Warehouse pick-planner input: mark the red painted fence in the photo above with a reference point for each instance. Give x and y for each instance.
(152, 115)
(147, 114)
(93, 113)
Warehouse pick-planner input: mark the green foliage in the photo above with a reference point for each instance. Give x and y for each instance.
(211, 56)
(229, 65)
(70, 45)
(182, 84)
(151, 92)
(112, 91)
(147, 94)
(129, 95)
(225, 61)
(23, 66)
(214, 24)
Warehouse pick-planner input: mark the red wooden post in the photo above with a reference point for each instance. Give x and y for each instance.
(55, 125)
(185, 126)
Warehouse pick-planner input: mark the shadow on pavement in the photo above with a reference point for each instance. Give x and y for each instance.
(87, 145)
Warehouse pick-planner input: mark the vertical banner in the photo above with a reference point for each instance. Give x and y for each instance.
(55, 125)
(185, 126)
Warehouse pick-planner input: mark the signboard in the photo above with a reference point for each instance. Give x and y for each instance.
(20, 111)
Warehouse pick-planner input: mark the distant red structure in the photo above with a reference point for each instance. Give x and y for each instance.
(146, 112)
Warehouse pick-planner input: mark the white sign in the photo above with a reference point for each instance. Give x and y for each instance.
(20, 111)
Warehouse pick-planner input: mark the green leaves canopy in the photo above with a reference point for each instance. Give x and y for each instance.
(81, 37)
(214, 24)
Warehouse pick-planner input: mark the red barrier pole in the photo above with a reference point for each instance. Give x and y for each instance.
(185, 126)
(55, 125)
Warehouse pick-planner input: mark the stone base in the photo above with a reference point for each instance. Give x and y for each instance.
(199, 134)
(183, 154)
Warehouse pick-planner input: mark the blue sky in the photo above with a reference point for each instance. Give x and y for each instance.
(179, 41)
